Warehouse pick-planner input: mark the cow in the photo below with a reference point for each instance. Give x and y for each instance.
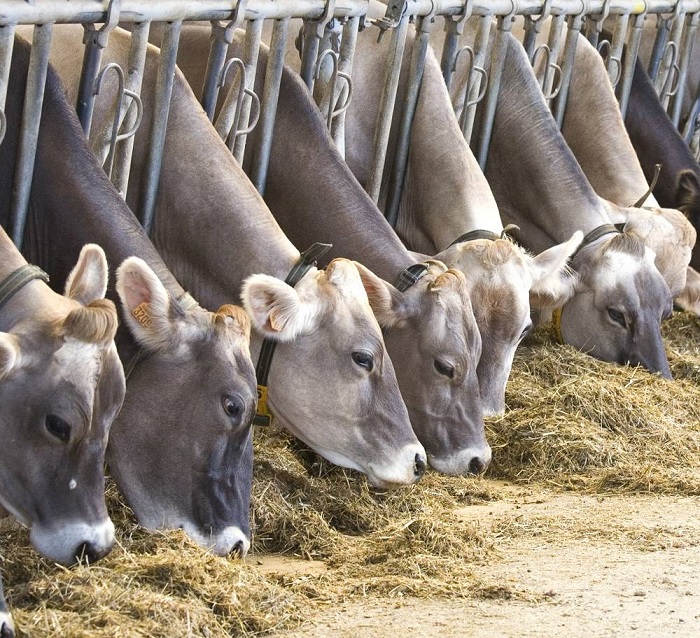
(436, 366)
(61, 385)
(620, 297)
(180, 449)
(331, 382)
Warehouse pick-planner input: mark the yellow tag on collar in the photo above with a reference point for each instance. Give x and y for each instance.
(263, 416)
(556, 322)
(142, 315)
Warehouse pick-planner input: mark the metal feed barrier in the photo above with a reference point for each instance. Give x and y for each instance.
(328, 41)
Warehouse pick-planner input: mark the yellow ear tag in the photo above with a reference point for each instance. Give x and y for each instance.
(141, 314)
(263, 416)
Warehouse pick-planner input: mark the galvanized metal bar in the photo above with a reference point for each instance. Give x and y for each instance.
(271, 88)
(222, 36)
(410, 102)
(664, 75)
(553, 69)
(657, 52)
(498, 56)
(345, 62)
(92, 60)
(454, 27)
(309, 53)
(29, 131)
(625, 85)
(686, 54)
(386, 105)
(7, 43)
(251, 50)
(134, 79)
(475, 93)
(616, 46)
(574, 25)
(164, 90)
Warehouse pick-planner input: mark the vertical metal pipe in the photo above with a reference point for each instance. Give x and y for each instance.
(625, 85)
(480, 49)
(215, 64)
(134, 79)
(273, 77)
(309, 52)
(386, 107)
(668, 63)
(449, 50)
(7, 43)
(574, 28)
(498, 57)
(251, 50)
(410, 102)
(690, 33)
(92, 59)
(662, 31)
(164, 90)
(347, 56)
(554, 43)
(29, 131)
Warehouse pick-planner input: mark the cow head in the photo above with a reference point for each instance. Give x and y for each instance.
(328, 336)
(620, 301)
(501, 278)
(181, 449)
(61, 385)
(433, 340)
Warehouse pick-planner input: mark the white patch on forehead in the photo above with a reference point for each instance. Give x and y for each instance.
(79, 362)
(619, 268)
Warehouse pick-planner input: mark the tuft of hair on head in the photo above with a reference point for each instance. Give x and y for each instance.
(235, 317)
(95, 322)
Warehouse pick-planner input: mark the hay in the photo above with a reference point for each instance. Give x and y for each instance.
(572, 423)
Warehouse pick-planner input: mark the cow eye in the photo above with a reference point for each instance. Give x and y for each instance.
(58, 427)
(232, 406)
(364, 360)
(617, 316)
(445, 369)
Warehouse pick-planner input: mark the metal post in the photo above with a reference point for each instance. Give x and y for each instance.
(480, 48)
(164, 90)
(134, 79)
(7, 43)
(691, 32)
(410, 102)
(251, 50)
(311, 36)
(625, 85)
(552, 68)
(347, 55)
(662, 32)
(29, 131)
(498, 56)
(388, 98)
(271, 89)
(454, 27)
(574, 28)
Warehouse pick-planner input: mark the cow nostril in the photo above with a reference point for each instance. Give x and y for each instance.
(476, 466)
(419, 466)
(87, 552)
(6, 631)
(237, 550)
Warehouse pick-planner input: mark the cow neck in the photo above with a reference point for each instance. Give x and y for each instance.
(445, 193)
(335, 209)
(534, 176)
(306, 261)
(19, 278)
(595, 132)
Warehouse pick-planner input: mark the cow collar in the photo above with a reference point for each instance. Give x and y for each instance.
(485, 234)
(410, 276)
(19, 278)
(306, 261)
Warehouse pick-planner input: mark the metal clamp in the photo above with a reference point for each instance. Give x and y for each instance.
(456, 24)
(612, 61)
(121, 93)
(395, 11)
(234, 132)
(332, 111)
(536, 23)
(227, 32)
(558, 75)
(473, 69)
(100, 36)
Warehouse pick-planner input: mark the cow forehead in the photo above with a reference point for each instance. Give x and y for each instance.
(79, 363)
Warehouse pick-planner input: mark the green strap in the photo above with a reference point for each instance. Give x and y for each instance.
(595, 234)
(19, 278)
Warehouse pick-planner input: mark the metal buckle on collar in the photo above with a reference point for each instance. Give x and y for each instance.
(306, 261)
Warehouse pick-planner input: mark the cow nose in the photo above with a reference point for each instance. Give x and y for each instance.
(419, 466)
(476, 466)
(6, 631)
(237, 550)
(90, 553)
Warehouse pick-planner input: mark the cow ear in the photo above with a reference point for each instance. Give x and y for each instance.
(387, 302)
(689, 299)
(553, 283)
(687, 190)
(146, 304)
(88, 279)
(277, 310)
(10, 355)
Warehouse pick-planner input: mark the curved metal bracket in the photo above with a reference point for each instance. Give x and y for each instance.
(602, 16)
(393, 15)
(536, 23)
(227, 31)
(336, 73)
(612, 61)
(234, 131)
(101, 35)
(469, 84)
(121, 93)
(554, 67)
(670, 86)
(456, 23)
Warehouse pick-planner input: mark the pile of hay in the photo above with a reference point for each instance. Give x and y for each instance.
(572, 422)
